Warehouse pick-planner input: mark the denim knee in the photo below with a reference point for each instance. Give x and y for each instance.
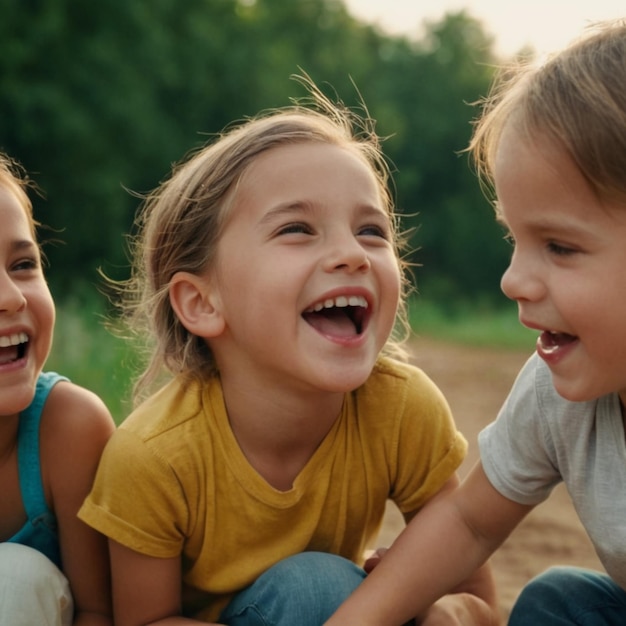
(304, 589)
(566, 596)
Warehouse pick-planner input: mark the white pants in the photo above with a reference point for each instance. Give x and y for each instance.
(33, 590)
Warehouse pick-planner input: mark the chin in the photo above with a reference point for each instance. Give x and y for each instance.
(578, 393)
(345, 383)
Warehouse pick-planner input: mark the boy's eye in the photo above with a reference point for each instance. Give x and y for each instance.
(559, 249)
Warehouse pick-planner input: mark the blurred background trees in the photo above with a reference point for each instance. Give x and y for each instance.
(98, 99)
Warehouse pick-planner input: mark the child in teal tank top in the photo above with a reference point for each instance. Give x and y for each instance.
(53, 567)
(40, 529)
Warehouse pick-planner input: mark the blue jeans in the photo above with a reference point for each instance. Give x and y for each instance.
(567, 596)
(302, 590)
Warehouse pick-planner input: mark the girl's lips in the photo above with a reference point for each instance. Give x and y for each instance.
(340, 317)
(13, 347)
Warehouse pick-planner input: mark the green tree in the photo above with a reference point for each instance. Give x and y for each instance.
(97, 99)
(457, 244)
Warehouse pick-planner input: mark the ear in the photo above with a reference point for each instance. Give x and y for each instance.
(196, 304)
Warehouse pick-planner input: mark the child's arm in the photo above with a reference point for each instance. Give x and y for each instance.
(146, 590)
(472, 602)
(444, 545)
(74, 430)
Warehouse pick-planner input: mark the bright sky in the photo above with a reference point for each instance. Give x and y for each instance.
(544, 24)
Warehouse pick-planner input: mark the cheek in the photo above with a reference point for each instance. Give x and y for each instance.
(396, 274)
(41, 302)
(43, 309)
(50, 315)
(391, 288)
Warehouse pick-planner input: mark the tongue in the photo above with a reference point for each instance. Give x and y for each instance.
(334, 322)
(551, 341)
(8, 354)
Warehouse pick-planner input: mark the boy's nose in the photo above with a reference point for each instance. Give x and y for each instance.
(520, 281)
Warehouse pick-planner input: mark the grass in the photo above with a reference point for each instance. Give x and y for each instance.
(91, 356)
(471, 325)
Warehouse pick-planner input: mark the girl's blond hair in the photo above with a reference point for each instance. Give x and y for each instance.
(14, 180)
(180, 223)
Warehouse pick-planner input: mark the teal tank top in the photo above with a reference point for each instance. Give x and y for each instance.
(40, 530)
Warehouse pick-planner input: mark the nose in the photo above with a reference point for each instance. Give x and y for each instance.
(12, 299)
(521, 280)
(346, 254)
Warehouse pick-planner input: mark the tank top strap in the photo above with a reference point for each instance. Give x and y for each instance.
(29, 465)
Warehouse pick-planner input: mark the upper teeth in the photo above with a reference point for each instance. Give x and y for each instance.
(341, 301)
(13, 340)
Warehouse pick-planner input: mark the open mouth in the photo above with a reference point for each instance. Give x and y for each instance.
(551, 341)
(13, 347)
(344, 316)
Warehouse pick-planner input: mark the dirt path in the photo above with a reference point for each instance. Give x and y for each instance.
(476, 382)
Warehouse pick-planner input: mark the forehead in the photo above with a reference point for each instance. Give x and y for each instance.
(14, 198)
(539, 184)
(15, 219)
(307, 175)
(310, 165)
(532, 165)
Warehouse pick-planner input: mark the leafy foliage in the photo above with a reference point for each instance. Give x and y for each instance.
(100, 98)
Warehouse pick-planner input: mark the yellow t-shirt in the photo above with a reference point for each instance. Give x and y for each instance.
(173, 481)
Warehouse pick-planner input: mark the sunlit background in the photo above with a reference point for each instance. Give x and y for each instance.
(543, 24)
(98, 99)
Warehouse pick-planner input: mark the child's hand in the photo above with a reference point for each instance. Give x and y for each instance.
(458, 609)
(455, 609)
(374, 559)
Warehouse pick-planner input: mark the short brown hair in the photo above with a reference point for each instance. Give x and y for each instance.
(577, 97)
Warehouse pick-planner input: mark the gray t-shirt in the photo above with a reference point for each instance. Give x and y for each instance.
(540, 439)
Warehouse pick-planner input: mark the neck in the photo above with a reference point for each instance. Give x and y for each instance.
(278, 435)
(9, 425)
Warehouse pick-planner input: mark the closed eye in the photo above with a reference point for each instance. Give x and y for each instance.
(25, 265)
(560, 250)
(374, 230)
(295, 227)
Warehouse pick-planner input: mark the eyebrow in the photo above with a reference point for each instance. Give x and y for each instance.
(305, 207)
(545, 226)
(23, 244)
(286, 209)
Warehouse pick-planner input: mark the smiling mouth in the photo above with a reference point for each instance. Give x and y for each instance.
(13, 347)
(344, 316)
(551, 341)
